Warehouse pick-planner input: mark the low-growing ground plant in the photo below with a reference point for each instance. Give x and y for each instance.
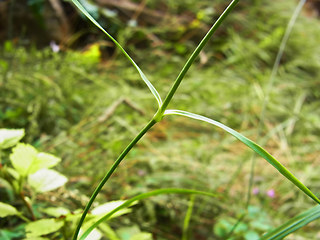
(25, 174)
(27, 169)
(292, 225)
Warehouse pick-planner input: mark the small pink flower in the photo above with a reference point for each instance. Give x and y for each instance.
(271, 193)
(141, 172)
(255, 191)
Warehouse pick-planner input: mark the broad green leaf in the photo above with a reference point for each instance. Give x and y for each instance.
(108, 207)
(133, 233)
(93, 54)
(255, 147)
(144, 78)
(128, 202)
(142, 236)
(94, 235)
(44, 160)
(125, 233)
(10, 234)
(22, 157)
(108, 232)
(43, 227)
(26, 159)
(46, 180)
(293, 224)
(56, 211)
(36, 238)
(10, 137)
(251, 235)
(7, 210)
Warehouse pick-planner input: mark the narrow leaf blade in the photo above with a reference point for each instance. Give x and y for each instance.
(255, 147)
(142, 75)
(140, 197)
(293, 224)
(195, 53)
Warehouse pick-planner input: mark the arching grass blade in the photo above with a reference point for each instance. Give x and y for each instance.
(143, 76)
(255, 147)
(140, 197)
(293, 224)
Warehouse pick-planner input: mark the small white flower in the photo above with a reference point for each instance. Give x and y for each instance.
(55, 47)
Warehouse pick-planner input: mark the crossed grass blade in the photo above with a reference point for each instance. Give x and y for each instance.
(162, 106)
(140, 197)
(255, 147)
(162, 110)
(143, 76)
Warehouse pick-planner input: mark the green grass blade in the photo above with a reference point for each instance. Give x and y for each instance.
(187, 218)
(195, 53)
(270, 85)
(143, 76)
(140, 197)
(255, 147)
(109, 173)
(293, 224)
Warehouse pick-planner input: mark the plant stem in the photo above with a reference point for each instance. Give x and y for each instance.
(162, 106)
(187, 218)
(109, 173)
(29, 207)
(23, 218)
(195, 54)
(10, 20)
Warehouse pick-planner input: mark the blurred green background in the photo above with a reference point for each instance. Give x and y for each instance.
(77, 97)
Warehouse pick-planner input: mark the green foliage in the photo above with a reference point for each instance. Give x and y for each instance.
(133, 233)
(42, 227)
(251, 227)
(10, 137)
(26, 160)
(7, 210)
(255, 147)
(30, 165)
(46, 180)
(162, 112)
(293, 224)
(139, 197)
(186, 154)
(46, 92)
(30, 171)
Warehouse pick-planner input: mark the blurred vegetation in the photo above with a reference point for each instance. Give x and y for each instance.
(86, 105)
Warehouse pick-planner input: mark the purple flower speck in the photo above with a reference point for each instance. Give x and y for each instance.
(141, 172)
(271, 193)
(255, 191)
